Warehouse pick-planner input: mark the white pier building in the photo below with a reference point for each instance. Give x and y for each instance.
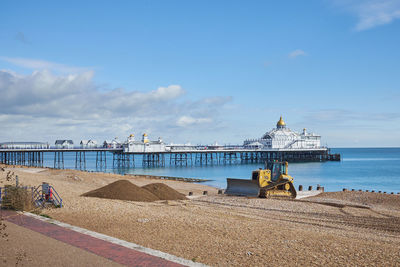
(88, 144)
(145, 145)
(282, 137)
(24, 145)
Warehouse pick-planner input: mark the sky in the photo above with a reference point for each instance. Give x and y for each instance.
(200, 72)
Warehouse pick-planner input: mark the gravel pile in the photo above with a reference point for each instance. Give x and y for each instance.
(123, 190)
(164, 192)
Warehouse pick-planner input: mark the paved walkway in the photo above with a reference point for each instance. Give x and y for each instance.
(117, 253)
(24, 247)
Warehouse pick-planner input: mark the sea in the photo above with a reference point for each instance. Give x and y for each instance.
(360, 168)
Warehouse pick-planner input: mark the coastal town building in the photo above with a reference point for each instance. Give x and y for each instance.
(64, 144)
(145, 145)
(106, 144)
(115, 143)
(88, 144)
(282, 137)
(24, 145)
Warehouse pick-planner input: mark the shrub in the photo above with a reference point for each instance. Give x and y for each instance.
(17, 198)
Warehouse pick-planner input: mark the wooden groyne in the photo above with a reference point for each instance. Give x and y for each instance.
(182, 179)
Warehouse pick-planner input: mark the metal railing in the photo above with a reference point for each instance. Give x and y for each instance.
(38, 197)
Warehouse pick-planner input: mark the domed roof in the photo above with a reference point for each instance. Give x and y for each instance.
(280, 123)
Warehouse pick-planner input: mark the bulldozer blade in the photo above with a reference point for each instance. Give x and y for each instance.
(242, 187)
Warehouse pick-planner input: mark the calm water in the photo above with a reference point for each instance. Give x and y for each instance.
(360, 168)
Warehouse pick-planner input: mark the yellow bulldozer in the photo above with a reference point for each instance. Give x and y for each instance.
(273, 181)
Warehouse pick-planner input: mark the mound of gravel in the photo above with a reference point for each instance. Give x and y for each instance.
(164, 192)
(123, 190)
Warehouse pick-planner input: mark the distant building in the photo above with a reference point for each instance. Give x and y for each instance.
(282, 137)
(24, 145)
(64, 144)
(88, 144)
(106, 143)
(115, 143)
(145, 145)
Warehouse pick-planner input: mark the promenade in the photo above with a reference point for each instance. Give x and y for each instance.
(35, 234)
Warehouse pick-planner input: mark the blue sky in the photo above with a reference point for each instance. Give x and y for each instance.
(200, 71)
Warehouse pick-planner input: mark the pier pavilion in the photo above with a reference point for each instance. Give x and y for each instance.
(282, 137)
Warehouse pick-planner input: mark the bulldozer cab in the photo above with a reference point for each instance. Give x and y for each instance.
(275, 172)
(277, 169)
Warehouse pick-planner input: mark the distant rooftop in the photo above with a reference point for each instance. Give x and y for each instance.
(60, 142)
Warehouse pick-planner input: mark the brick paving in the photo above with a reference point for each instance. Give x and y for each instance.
(114, 252)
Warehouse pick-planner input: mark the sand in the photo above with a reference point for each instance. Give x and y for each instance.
(374, 200)
(334, 229)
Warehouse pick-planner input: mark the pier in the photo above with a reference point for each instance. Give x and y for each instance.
(280, 143)
(182, 157)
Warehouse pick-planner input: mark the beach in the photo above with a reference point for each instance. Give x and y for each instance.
(333, 228)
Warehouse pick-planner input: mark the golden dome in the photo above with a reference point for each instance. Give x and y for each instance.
(280, 122)
(145, 134)
(132, 135)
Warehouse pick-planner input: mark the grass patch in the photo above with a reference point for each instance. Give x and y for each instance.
(45, 215)
(36, 211)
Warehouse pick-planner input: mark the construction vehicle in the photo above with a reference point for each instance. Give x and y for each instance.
(273, 181)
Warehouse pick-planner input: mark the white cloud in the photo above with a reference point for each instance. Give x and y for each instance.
(185, 121)
(296, 53)
(371, 13)
(216, 101)
(37, 64)
(45, 94)
(44, 106)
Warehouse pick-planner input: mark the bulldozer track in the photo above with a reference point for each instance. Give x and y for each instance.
(389, 224)
(264, 190)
